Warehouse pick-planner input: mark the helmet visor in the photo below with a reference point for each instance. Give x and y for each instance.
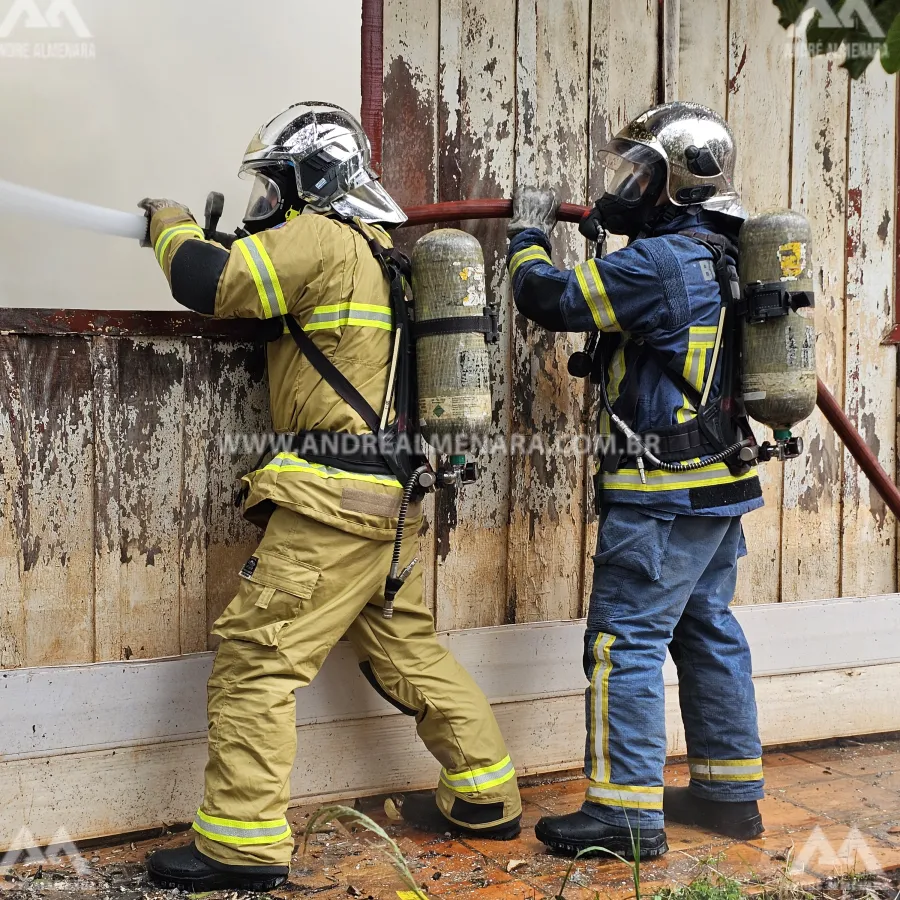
(633, 170)
(265, 196)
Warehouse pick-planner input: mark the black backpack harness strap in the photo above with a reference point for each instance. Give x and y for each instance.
(392, 456)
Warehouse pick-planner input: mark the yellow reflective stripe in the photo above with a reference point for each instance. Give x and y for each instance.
(600, 716)
(287, 462)
(595, 296)
(166, 237)
(273, 277)
(586, 293)
(483, 779)
(235, 823)
(271, 297)
(526, 255)
(363, 315)
(726, 770)
(613, 386)
(257, 280)
(232, 831)
(660, 480)
(625, 795)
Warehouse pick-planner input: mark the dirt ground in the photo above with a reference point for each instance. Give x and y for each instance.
(832, 820)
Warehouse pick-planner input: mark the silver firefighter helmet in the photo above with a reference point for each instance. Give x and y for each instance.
(690, 143)
(330, 156)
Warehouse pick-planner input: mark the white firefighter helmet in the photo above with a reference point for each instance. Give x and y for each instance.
(330, 156)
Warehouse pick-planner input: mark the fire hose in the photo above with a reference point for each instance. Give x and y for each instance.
(28, 202)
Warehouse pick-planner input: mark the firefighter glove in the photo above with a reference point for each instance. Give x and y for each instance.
(152, 207)
(533, 208)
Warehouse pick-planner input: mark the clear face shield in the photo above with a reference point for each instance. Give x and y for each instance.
(265, 196)
(634, 172)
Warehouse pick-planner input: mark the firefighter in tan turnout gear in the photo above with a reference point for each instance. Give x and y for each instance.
(311, 261)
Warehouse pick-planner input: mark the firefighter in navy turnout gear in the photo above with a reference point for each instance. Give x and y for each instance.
(316, 262)
(670, 520)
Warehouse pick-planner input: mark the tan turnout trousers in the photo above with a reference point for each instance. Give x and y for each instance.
(311, 584)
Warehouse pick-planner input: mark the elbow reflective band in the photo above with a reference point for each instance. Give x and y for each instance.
(165, 238)
(271, 297)
(726, 769)
(230, 831)
(365, 315)
(475, 780)
(523, 256)
(625, 795)
(594, 292)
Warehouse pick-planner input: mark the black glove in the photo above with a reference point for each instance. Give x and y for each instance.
(152, 207)
(533, 208)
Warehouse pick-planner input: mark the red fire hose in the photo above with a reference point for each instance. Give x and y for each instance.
(569, 212)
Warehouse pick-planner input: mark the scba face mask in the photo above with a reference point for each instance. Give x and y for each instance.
(273, 198)
(636, 178)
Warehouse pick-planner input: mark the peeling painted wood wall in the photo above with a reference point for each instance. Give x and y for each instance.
(118, 534)
(481, 95)
(118, 537)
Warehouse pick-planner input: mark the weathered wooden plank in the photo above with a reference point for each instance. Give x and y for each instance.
(547, 495)
(759, 111)
(868, 563)
(476, 160)
(703, 53)
(143, 762)
(811, 518)
(412, 39)
(671, 56)
(193, 512)
(55, 529)
(108, 644)
(119, 323)
(239, 411)
(624, 83)
(118, 704)
(151, 379)
(13, 499)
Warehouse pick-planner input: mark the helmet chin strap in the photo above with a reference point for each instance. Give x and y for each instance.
(663, 215)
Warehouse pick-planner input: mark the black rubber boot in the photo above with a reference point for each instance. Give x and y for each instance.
(578, 831)
(421, 811)
(740, 820)
(188, 869)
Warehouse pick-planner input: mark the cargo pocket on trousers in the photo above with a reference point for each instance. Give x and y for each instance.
(635, 540)
(270, 597)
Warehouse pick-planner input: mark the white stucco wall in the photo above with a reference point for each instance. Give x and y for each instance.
(164, 104)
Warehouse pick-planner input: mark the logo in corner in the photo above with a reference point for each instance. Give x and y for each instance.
(58, 14)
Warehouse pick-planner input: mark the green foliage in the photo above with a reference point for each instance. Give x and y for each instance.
(845, 27)
(708, 887)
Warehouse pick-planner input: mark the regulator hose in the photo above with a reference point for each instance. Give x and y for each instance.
(644, 453)
(397, 579)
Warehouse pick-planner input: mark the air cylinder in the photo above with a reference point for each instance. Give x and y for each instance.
(779, 339)
(452, 365)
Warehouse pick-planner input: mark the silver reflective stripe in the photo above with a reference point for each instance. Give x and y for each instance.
(273, 293)
(658, 476)
(617, 796)
(595, 294)
(482, 778)
(693, 375)
(230, 831)
(343, 315)
(712, 769)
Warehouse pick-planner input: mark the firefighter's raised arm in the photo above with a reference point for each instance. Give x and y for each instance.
(260, 277)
